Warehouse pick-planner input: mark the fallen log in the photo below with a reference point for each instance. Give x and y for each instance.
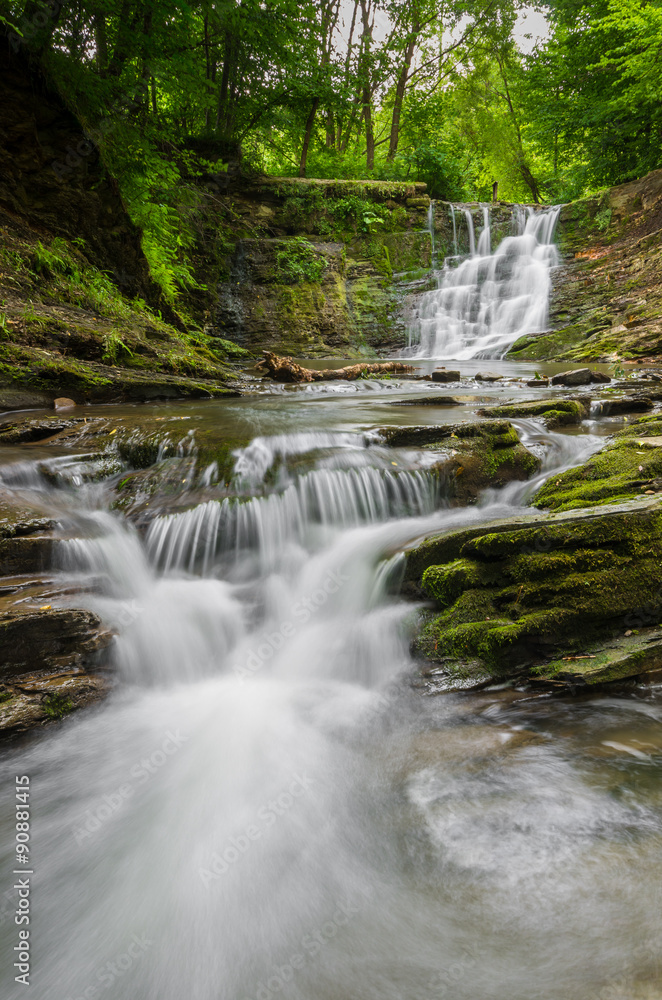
(286, 370)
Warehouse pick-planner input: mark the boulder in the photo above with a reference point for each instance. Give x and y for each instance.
(472, 456)
(580, 376)
(50, 639)
(538, 383)
(63, 403)
(554, 412)
(537, 593)
(445, 375)
(627, 404)
(487, 377)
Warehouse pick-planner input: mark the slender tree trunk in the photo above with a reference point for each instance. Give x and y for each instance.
(330, 130)
(101, 41)
(310, 121)
(400, 89)
(366, 90)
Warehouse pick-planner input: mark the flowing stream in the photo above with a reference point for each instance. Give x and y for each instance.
(266, 807)
(484, 302)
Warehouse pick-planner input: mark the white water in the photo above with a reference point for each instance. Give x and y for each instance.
(255, 814)
(484, 303)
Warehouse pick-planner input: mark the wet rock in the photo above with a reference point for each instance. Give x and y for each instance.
(526, 592)
(34, 700)
(599, 378)
(428, 401)
(580, 376)
(52, 639)
(444, 375)
(538, 383)
(63, 403)
(19, 399)
(36, 429)
(487, 377)
(635, 654)
(473, 455)
(555, 412)
(622, 471)
(628, 404)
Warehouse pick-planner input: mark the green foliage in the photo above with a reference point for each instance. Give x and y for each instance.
(298, 261)
(114, 347)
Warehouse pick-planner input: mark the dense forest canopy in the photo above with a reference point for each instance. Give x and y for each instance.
(435, 90)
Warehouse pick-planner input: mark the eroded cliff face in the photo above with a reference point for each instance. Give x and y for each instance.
(311, 268)
(607, 296)
(52, 179)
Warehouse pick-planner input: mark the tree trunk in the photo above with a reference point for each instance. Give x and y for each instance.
(366, 90)
(369, 132)
(101, 40)
(310, 121)
(400, 93)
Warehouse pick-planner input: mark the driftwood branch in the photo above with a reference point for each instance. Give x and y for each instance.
(287, 370)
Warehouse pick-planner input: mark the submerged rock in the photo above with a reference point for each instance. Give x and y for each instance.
(627, 404)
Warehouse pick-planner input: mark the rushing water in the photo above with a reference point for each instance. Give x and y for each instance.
(266, 808)
(485, 301)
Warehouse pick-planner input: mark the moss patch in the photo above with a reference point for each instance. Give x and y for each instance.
(509, 598)
(625, 469)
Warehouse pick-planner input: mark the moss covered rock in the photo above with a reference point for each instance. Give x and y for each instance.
(476, 455)
(629, 466)
(512, 596)
(557, 412)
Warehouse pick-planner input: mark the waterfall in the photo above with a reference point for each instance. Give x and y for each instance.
(454, 230)
(484, 304)
(470, 227)
(431, 231)
(227, 530)
(484, 242)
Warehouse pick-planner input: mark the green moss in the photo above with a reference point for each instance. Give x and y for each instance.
(512, 595)
(56, 706)
(622, 471)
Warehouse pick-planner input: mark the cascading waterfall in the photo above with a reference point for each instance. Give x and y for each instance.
(265, 810)
(486, 302)
(328, 498)
(470, 229)
(454, 229)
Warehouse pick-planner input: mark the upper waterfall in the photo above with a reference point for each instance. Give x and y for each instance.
(484, 302)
